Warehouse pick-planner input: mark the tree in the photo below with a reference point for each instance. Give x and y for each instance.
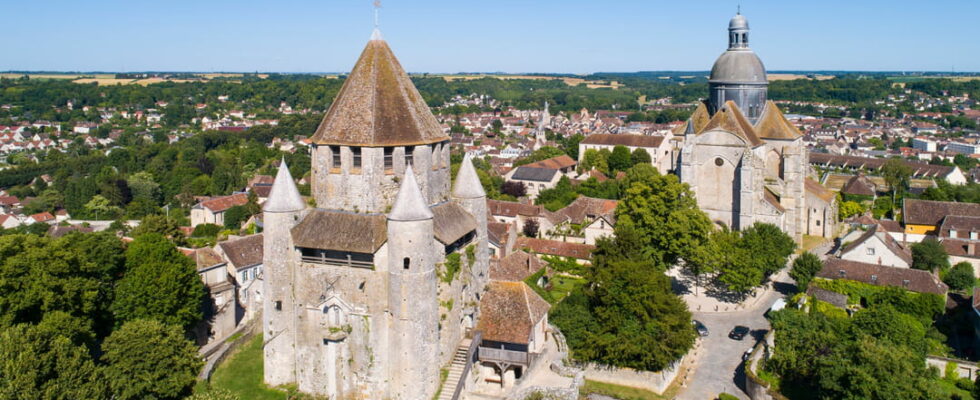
(620, 159)
(639, 156)
(41, 364)
(513, 188)
(960, 277)
(160, 283)
(557, 197)
(142, 185)
(717, 253)
(664, 212)
(531, 227)
(206, 230)
(148, 359)
(768, 247)
(640, 322)
(929, 255)
(805, 267)
(593, 159)
(235, 216)
(159, 224)
(896, 174)
(100, 207)
(849, 209)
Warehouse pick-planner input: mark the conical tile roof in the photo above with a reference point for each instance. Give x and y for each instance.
(378, 105)
(468, 185)
(409, 203)
(284, 197)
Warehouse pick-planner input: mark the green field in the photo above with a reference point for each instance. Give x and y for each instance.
(241, 374)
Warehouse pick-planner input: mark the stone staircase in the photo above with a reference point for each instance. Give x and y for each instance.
(455, 371)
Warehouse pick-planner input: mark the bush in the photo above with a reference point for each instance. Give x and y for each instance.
(960, 277)
(726, 396)
(206, 230)
(929, 255)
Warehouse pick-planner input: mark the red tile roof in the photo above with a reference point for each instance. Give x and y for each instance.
(556, 248)
(221, 204)
(509, 311)
(905, 278)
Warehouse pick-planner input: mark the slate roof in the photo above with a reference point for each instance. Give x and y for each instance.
(244, 252)
(378, 106)
(556, 248)
(837, 299)
(509, 311)
(905, 278)
(608, 139)
(517, 266)
(773, 125)
(223, 203)
(526, 173)
(926, 212)
(730, 119)
(451, 222)
(341, 231)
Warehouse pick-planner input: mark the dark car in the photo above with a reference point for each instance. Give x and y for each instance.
(698, 326)
(739, 332)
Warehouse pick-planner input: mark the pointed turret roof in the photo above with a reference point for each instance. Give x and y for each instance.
(772, 124)
(409, 204)
(699, 118)
(378, 105)
(730, 119)
(284, 197)
(468, 184)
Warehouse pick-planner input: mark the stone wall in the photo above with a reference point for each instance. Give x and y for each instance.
(965, 369)
(656, 382)
(756, 388)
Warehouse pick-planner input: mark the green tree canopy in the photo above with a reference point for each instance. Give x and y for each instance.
(805, 267)
(37, 363)
(160, 283)
(929, 255)
(146, 359)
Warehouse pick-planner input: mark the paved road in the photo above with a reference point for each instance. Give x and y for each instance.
(719, 369)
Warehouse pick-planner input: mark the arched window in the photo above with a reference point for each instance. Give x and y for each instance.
(406, 262)
(335, 316)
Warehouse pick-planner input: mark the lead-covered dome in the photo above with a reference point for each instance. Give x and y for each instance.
(738, 22)
(738, 66)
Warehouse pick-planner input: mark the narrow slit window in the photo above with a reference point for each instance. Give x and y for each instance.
(406, 262)
(410, 156)
(278, 305)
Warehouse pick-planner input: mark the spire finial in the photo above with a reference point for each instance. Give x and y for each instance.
(377, 9)
(737, 12)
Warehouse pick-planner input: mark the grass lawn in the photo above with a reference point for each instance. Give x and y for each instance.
(623, 392)
(562, 285)
(241, 374)
(809, 242)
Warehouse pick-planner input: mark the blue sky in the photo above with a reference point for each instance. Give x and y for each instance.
(568, 36)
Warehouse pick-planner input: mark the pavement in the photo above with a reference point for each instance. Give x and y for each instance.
(718, 367)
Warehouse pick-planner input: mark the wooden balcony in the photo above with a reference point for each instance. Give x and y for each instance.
(501, 356)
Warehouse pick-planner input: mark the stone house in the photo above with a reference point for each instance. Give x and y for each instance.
(876, 246)
(515, 328)
(220, 314)
(244, 256)
(905, 278)
(212, 211)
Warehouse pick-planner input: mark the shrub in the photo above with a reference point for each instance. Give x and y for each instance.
(960, 277)
(206, 230)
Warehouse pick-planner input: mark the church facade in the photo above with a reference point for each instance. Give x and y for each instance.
(359, 301)
(744, 161)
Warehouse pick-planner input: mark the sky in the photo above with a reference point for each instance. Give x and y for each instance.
(513, 36)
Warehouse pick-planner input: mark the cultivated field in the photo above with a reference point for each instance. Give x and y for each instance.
(568, 81)
(790, 77)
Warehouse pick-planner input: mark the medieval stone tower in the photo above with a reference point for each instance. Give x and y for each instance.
(364, 297)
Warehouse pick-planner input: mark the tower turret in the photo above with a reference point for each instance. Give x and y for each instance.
(738, 74)
(412, 298)
(281, 212)
(469, 193)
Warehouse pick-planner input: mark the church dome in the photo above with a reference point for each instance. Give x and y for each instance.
(738, 66)
(738, 22)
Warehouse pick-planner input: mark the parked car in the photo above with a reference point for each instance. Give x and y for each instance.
(739, 332)
(747, 354)
(698, 326)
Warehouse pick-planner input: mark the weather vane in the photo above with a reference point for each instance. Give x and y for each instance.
(377, 6)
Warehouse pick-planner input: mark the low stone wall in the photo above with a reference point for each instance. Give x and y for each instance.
(216, 352)
(965, 369)
(656, 382)
(756, 388)
(553, 393)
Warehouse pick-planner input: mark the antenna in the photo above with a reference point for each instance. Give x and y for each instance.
(739, 11)
(377, 7)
